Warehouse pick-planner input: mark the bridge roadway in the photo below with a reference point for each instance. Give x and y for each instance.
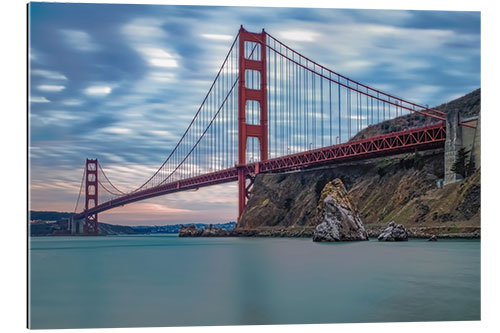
(422, 138)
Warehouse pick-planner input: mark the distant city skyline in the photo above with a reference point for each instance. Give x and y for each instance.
(122, 82)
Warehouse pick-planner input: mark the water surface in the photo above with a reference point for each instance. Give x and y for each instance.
(128, 281)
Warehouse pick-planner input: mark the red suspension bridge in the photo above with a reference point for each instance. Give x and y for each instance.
(269, 109)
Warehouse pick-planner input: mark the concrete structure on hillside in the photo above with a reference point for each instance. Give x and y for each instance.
(458, 137)
(76, 226)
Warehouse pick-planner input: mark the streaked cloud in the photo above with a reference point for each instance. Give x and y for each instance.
(78, 40)
(38, 99)
(155, 208)
(161, 76)
(217, 37)
(55, 118)
(72, 102)
(159, 57)
(117, 130)
(98, 90)
(139, 30)
(52, 75)
(51, 88)
(299, 35)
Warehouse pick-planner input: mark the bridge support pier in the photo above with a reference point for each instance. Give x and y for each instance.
(452, 145)
(76, 226)
(242, 190)
(457, 137)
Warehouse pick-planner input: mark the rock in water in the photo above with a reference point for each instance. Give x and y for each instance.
(190, 231)
(393, 232)
(341, 221)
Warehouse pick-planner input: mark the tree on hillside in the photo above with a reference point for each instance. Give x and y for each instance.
(471, 167)
(463, 165)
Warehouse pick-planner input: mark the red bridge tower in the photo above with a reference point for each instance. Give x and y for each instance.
(91, 181)
(245, 94)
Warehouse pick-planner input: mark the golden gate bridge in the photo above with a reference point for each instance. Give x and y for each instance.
(269, 109)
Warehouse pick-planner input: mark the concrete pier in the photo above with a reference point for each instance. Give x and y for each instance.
(76, 226)
(458, 137)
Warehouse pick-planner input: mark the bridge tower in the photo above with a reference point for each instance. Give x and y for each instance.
(245, 130)
(91, 195)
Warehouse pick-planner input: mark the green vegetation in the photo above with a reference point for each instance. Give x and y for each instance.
(382, 167)
(48, 215)
(394, 128)
(464, 165)
(415, 161)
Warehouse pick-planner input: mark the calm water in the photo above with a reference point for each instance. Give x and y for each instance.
(169, 281)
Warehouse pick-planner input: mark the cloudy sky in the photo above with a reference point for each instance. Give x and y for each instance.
(122, 82)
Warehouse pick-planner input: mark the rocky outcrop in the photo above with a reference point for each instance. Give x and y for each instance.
(341, 221)
(394, 233)
(192, 231)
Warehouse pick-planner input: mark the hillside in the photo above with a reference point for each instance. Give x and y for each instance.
(47, 215)
(468, 106)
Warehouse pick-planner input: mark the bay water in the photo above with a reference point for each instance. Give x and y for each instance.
(164, 280)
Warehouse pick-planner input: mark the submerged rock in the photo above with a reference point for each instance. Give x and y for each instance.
(341, 221)
(394, 233)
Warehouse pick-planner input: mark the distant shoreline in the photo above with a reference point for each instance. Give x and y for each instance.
(60, 227)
